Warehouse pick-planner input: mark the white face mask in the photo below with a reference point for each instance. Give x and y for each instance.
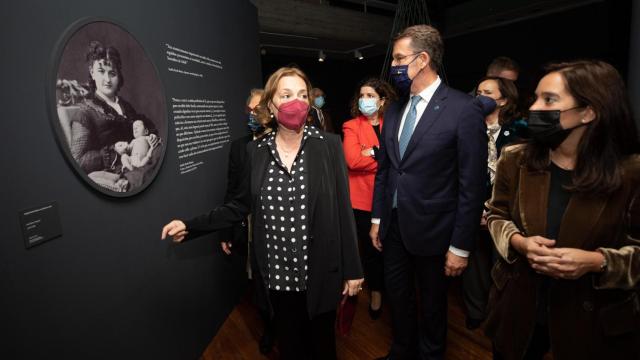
(368, 106)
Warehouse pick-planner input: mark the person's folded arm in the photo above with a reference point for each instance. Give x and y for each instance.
(353, 151)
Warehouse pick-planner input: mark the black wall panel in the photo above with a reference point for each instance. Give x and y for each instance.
(108, 288)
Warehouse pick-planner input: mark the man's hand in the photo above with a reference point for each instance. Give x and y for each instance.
(373, 234)
(454, 264)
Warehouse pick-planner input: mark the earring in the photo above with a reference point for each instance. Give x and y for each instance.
(584, 121)
(271, 115)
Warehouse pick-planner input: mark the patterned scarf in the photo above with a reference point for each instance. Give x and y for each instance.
(493, 151)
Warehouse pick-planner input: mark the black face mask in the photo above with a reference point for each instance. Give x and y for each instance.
(544, 127)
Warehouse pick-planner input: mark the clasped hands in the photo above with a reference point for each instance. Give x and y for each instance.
(558, 263)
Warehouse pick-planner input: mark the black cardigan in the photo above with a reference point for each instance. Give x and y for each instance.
(333, 249)
(237, 157)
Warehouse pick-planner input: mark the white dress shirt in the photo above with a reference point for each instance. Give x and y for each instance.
(421, 106)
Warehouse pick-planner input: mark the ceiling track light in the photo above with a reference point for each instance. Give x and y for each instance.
(321, 56)
(358, 55)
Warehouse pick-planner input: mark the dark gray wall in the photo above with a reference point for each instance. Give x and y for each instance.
(109, 288)
(634, 59)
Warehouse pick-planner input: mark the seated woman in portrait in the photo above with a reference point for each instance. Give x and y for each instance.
(104, 118)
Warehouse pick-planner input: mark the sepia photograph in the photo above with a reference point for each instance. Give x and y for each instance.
(113, 131)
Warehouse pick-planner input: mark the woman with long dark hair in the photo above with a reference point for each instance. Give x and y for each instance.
(565, 218)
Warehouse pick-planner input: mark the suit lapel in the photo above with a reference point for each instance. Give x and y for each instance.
(504, 137)
(395, 113)
(579, 219)
(431, 114)
(533, 199)
(315, 163)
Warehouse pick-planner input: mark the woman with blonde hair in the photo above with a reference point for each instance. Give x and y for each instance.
(304, 238)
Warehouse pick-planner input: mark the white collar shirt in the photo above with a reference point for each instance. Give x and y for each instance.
(421, 106)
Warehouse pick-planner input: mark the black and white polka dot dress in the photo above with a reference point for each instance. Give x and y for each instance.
(283, 200)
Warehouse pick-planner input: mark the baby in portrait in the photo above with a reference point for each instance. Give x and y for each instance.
(133, 155)
(138, 152)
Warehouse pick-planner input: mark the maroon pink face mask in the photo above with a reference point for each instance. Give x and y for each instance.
(293, 114)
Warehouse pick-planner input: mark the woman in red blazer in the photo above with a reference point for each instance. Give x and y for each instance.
(361, 142)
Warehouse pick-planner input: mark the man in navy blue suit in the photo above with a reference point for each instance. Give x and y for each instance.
(428, 194)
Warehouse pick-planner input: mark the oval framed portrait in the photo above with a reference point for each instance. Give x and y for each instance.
(107, 107)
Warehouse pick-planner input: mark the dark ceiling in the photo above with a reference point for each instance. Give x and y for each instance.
(339, 28)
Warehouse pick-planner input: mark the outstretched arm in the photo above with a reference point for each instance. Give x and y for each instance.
(223, 216)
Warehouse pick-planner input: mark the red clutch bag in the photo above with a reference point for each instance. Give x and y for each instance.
(346, 313)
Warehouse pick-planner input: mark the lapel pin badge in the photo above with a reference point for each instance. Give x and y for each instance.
(436, 108)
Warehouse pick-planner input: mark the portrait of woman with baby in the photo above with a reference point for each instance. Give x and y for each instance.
(112, 133)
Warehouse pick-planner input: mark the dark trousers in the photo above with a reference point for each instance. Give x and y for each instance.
(414, 337)
(260, 294)
(371, 258)
(538, 346)
(299, 337)
(476, 279)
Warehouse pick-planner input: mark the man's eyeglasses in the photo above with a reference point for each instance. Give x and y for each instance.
(400, 58)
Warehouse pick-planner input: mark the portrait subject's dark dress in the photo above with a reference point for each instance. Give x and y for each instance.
(96, 129)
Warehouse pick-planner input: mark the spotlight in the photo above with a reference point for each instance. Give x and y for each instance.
(321, 56)
(358, 55)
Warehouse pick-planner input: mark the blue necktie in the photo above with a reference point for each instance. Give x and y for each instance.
(405, 135)
(409, 125)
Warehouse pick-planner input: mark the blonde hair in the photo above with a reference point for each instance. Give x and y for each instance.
(254, 92)
(270, 88)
